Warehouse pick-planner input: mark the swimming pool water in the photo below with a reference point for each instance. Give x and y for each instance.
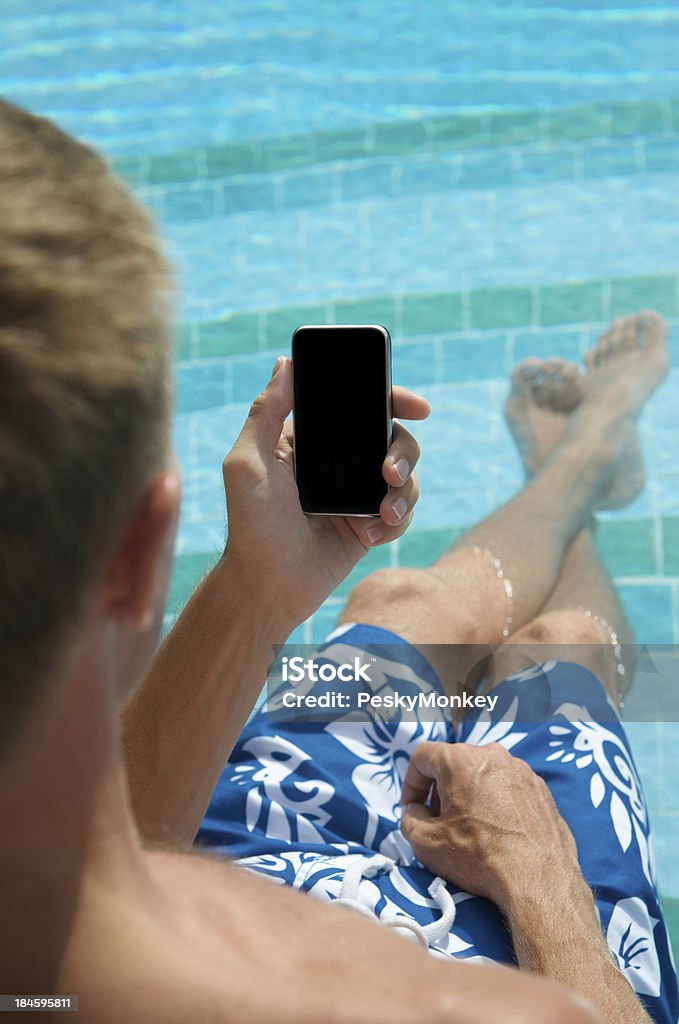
(490, 181)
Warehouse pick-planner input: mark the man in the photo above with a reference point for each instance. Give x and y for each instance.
(88, 512)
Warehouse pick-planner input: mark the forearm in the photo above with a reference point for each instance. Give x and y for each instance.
(182, 721)
(556, 933)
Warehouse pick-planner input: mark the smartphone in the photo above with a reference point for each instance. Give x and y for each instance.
(341, 417)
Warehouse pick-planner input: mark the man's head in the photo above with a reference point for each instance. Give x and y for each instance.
(84, 401)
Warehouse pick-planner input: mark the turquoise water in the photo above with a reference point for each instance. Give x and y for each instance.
(490, 181)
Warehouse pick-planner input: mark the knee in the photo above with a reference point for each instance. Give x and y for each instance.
(415, 603)
(567, 636)
(560, 627)
(393, 587)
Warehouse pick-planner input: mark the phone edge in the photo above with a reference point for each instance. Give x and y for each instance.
(389, 421)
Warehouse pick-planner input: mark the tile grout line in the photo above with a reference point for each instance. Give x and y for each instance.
(646, 581)
(658, 539)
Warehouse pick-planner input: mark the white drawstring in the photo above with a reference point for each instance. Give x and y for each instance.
(366, 867)
(360, 867)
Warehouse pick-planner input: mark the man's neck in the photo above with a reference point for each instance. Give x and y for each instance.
(69, 840)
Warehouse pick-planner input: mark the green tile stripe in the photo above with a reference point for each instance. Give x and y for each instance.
(463, 130)
(671, 909)
(627, 546)
(245, 333)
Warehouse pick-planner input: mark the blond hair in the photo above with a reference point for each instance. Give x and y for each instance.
(84, 388)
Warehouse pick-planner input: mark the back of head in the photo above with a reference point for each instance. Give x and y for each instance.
(84, 389)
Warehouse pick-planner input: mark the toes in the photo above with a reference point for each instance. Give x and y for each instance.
(629, 334)
(653, 332)
(560, 386)
(621, 337)
(571, 390)
(523, 378)
(526, 372)
(547, 384)
(520, 397)
(591, 358)
(634, 349)
(624, 335)
(598, 354)
(652, 328)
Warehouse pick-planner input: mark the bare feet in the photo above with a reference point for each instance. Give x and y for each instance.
(629, 361)
(543, 394)
(551, 399)
(623, 370)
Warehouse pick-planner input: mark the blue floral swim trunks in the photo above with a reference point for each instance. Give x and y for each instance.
(316, 805)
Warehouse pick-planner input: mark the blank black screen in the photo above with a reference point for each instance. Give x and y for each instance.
(341, 417)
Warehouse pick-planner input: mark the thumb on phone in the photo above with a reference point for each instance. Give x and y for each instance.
(270, 409)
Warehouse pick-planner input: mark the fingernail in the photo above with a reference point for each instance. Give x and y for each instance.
(399, 507)
(374, 533)
(276, 366)
(402, 469)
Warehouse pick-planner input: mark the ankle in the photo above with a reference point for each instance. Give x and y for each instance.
(579, 471)
(584, 459)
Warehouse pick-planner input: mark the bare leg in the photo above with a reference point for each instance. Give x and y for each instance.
(459, 605)
(460, 600)
(583, 582)
(583, 592)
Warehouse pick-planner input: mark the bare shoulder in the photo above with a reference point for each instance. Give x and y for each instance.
(261, 951)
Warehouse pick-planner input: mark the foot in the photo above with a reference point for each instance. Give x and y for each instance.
(624, 368)
(550, 399)
(543, 394)
(629, 361)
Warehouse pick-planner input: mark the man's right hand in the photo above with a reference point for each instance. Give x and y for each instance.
(283, 562)
(491, 825)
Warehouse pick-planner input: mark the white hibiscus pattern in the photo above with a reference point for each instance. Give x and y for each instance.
(287, 814)
(502, 731)
(384, 747)
(383, 754)
(630, 937)
(485, 730)
(588, 744)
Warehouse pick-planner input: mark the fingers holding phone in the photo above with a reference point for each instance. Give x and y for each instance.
(398, 473)
(341, 417)
(351, 459)
(303, 509)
